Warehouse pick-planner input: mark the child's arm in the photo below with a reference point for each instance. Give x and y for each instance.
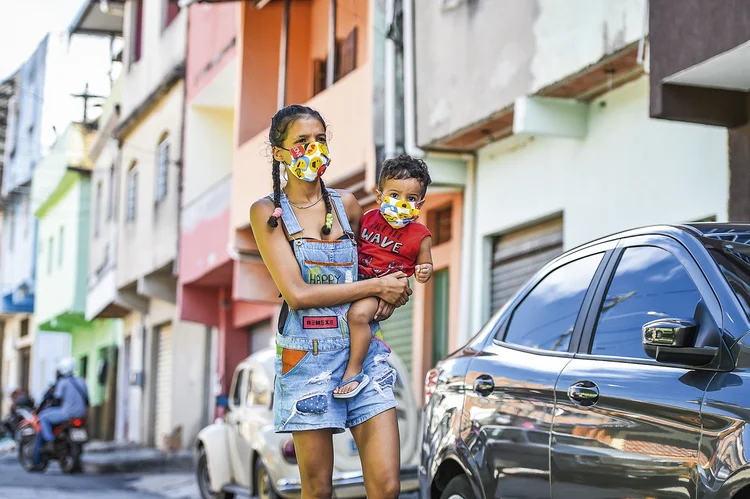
(423, 270)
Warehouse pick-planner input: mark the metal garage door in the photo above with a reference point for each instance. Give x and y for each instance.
(519, 255)
(397, 331)
(163, 403)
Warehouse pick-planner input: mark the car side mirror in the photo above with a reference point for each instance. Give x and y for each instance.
(673, 341)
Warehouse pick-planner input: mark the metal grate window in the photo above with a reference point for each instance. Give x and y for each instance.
(162, 169)
(132, 194)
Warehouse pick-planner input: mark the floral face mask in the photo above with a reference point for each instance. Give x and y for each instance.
(399, 213)
(309, 161)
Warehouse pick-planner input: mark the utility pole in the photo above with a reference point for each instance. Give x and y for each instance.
(86, 96)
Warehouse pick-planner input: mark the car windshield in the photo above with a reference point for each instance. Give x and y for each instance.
(730, 249)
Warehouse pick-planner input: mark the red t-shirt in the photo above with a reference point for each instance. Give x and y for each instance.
(384, 250)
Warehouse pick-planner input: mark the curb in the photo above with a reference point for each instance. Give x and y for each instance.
(144, 460)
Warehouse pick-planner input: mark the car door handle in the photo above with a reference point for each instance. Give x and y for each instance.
(484, 385)
(584, 393)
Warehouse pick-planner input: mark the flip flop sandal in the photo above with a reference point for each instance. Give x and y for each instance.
(360, 378)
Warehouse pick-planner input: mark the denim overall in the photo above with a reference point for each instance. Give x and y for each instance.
(303, 398)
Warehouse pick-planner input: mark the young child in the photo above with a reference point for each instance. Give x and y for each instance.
(390, 241)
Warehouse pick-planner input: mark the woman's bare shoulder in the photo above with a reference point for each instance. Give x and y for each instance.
(263, 207)
(348, 199)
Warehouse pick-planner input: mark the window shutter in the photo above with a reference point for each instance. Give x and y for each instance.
(319, 75)
(346, 60)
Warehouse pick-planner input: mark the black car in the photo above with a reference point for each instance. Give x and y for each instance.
(617, 371)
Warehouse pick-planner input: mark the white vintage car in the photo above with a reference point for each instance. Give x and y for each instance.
(242, 455)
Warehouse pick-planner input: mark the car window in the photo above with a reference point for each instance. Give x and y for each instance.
(237, 390)
(547, 315)
(249, 388)
(258, 392)
(731, 251)
(649, 284)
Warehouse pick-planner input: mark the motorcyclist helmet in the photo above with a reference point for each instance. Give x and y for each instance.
(66, 366)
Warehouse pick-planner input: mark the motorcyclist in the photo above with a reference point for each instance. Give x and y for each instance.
(72, 394)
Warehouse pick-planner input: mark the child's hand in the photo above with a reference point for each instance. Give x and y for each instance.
(423, 272)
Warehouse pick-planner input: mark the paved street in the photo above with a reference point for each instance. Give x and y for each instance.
(15, 483)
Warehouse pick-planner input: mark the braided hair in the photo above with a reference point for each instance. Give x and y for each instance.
(280, 124)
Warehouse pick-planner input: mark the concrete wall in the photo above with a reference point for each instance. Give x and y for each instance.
(61, 286)
(162, 49)
(102, 244)
(23, 138)
(212, 33)
(150, 241)
(18, 260)
(626, 172)
(496, 51)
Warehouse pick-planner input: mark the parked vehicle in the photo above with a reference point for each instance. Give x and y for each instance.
(67, 447)
(243, 455)
(619, 370)
(21, 407)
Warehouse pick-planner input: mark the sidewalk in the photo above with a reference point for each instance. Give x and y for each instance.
(113, 457)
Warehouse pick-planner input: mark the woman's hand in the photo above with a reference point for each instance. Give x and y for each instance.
(395, 289)
(385, 310)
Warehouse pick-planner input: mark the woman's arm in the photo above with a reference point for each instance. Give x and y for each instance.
(279, 258)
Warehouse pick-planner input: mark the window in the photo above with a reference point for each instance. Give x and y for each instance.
(650, 283)
(441, 225)
(730, 250)
(12, 216)
(24, 327)
(132, 193)
(84, 371)
(137, 40)
(547, 315)
(171, 9)
(261, 391)
(162, 169)
(111, 197)
(98, 208)
(61, 244)
(237, 392)
(50, 252)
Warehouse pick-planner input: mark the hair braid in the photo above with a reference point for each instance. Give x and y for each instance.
(273, 220)
(329, 208)
(276, 136)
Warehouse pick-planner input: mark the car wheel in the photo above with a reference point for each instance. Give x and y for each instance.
(263, 481)
(204, 481)
(458, 488)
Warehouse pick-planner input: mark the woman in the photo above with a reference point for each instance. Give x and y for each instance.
(312, 258)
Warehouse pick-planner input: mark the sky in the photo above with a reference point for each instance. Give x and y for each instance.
(25, 22)
(72, 63)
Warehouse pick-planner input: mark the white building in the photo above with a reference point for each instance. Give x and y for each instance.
(553, 111)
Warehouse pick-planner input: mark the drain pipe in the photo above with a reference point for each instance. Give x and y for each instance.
(389, 97)
(410, 125)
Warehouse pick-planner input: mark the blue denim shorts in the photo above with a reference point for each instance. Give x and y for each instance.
(303, 398)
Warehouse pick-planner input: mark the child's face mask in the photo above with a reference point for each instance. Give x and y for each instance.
(399, 213)
(309, 161)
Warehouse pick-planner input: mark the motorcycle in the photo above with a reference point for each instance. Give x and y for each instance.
(67, 446)
(21, 408)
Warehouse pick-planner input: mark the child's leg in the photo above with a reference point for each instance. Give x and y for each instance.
(360, 315)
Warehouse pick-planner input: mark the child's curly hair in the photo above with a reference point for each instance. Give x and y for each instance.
(402, 167)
